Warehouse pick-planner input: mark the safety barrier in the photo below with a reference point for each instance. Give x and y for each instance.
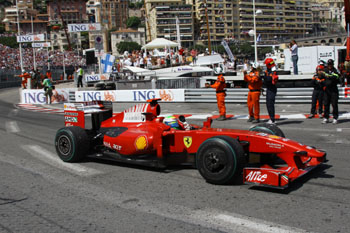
(239, 95)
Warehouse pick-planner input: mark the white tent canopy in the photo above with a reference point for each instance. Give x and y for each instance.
(160, 43)
(209, 60)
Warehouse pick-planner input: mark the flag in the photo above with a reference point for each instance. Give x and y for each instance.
(107, 61)
(178, 31)
(259, 38)
(228, 50)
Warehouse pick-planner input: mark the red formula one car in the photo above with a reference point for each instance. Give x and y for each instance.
(260, 155)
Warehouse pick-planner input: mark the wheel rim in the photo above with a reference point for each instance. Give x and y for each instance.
(64, 145)
(215, 161)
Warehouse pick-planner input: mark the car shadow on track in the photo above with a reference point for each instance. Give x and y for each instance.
(168, 169)
(319, 172)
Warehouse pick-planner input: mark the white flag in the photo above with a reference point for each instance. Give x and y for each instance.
(107, 61)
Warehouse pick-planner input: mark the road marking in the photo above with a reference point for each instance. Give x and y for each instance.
(293, 116)
(12, 127)
(53, 160)
(256, 225)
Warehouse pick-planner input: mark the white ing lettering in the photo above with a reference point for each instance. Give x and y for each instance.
(256, 176)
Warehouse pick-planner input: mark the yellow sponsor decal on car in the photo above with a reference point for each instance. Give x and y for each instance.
(141, 142)
(274, 137)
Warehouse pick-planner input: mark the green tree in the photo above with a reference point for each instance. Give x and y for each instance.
(132, 5)
(139, 4)
(40, 6)
(9, 41)
(247, 49)
(2, 28)
(133, 22)
(263, 51)
(127, 46)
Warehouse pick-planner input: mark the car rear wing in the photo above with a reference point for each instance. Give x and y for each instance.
(74, 113)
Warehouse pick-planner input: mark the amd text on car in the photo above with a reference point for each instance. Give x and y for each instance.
(262, 155)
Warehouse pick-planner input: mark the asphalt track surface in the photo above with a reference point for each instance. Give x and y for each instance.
(39, 193)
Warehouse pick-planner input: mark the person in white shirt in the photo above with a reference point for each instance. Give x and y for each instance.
(294, 53)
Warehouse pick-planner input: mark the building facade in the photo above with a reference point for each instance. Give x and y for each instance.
(162, 18)
(127, 35)
(71, 11)
(234, 19)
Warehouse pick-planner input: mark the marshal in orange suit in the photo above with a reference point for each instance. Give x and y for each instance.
(254, 85)
(220, 86)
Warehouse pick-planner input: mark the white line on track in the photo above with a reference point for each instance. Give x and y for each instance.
(12, 127)
(255, 225)
(53, 160)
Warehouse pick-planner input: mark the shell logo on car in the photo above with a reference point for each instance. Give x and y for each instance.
(141, 142)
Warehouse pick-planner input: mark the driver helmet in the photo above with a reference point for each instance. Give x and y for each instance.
(172, 122)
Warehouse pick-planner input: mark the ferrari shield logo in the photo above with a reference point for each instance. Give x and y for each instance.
(187, 141)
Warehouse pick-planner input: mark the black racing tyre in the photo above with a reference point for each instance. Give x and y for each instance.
(111, 86)
(268, 128)
(100, 86)
(72, 143)
(220, 160)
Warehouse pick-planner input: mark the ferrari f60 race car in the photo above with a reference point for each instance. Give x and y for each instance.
(261, 155)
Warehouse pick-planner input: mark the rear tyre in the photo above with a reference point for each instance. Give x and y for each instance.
(72, 144)
(220, 160)
(268, 128)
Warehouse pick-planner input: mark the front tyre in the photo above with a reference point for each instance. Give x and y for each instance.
(72, 143)
(220, 160)
(268, 128)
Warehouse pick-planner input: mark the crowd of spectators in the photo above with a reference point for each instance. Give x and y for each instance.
(157, 59)
(10, 58)
(161, 59)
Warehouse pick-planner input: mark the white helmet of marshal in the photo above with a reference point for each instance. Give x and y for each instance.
(218, 70)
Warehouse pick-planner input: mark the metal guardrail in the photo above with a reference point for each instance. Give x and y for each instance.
(239, 95)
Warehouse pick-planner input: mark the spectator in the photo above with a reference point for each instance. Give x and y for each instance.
(294, 53)
(194, 56)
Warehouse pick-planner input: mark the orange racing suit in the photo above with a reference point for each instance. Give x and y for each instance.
(24, 77)
(219, 86)
(254, 85)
